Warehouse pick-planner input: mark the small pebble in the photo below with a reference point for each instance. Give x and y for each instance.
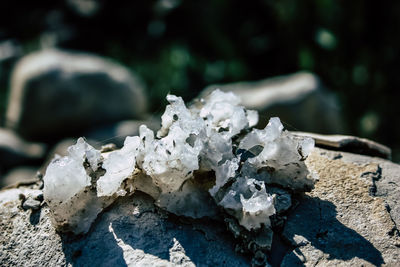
(30, 203)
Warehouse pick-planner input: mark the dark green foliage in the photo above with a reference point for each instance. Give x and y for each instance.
(182, 46)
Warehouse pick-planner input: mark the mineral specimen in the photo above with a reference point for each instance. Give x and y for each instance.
(119, 165)
(204, 156)
(68, 188)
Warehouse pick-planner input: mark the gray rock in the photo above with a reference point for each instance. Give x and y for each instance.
(57, 93)
(61, 148)
(294, 98)
(351, 218)
(349, 143)
(27, 237)
(344, 220)
(385, 184)
(15, 151)
(131, 233)
(9, 49)
(117, 132)
(31, 203)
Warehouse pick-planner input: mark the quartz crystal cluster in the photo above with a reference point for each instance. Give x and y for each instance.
(206, 160)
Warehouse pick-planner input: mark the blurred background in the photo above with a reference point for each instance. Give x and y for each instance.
(337, 62)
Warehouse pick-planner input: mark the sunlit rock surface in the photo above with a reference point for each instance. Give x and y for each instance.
(350, 218)
(205, 155)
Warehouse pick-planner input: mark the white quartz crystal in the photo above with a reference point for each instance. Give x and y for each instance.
(66, 176)
(282, 156)
(67, 188)
(203, 155)
(248, 200)
(258, 207)
(223, 173)
(170, 160)
(176, 115)
(224, 112)
(119, 165)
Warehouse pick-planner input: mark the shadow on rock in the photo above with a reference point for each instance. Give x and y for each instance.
(34, 218)
(202, 242)
(99, 249)
(132, 233)
(314, 226)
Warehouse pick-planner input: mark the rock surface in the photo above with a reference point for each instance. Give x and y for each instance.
(351, 216)
(57, 93)
(132, 233)
(293, 98)
(349, 143)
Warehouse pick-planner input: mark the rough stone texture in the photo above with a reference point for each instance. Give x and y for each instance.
(15, 151)
(27, 237)
(385, 183)
(345, 220)
(131, 233)
(351, 218)
(293, 98)
(59, 93)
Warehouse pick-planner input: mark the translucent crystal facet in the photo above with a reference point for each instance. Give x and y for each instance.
(119, 165)
(205, 155)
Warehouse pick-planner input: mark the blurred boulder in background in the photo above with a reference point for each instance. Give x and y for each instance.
(299, 99)
(117, 132)
(10, 50)
(352, 144)
(60, 149)
(14, 151)
(18, 176)
(57, 93)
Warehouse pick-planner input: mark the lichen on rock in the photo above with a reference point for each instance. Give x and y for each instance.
(204, 156)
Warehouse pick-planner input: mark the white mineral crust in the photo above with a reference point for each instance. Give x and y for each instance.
(66, 176)
(119, 165)
(67, 188)
(211, 136)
